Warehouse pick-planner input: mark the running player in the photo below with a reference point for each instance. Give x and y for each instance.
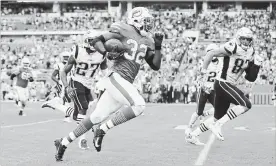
(120, 95)
(86, 61)
(238, 57)
(24, 75)
(61, 101)
(206, 92)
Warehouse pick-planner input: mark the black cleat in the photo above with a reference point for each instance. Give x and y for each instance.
(98, 138)
(60, 149)
(20, 113)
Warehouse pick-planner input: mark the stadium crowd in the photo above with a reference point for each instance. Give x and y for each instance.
(176, 80)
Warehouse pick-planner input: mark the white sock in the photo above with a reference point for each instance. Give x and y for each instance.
(67, 140)
(107, 125)
(232, 113)
(66, 109)
(193, 119)
(203, 127)
(208, 112)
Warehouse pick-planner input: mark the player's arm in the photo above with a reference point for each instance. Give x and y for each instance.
(103, 67)
(14, 73)
(154, 57)
(227, 49)
(98, 42)
(67, 68)
(253, 68)
(31, 77)
(55, 73)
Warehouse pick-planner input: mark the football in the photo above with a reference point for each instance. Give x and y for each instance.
(114, 45)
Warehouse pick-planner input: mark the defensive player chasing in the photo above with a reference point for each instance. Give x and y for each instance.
(238, 56)
(24, 75)
(206, 92)
(62, 100)
(86, 61)
(120, 95)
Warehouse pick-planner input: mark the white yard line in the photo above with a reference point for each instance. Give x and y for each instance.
(205, 151)
(30, 124)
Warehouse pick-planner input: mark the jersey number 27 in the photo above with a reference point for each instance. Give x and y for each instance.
(82, 69)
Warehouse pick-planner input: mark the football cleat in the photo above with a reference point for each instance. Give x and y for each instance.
(67, 120)
(83, 144)
(46, 104)
(216, 129)
(60, 149)
(21, 113)
(98, 138)
(193, 140)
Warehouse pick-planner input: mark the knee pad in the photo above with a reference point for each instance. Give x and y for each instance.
(138, 109)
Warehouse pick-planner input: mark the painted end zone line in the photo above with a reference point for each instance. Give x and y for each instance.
(204, 153)
(30, 124)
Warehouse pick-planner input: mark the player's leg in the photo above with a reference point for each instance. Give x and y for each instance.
(211, 99)
(221, 105)
(201, 101)
(106, 105)
(236, 97)
(22, 94)
(81, 100)
(133, 106)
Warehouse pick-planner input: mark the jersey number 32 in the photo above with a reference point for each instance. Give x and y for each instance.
(138, 52)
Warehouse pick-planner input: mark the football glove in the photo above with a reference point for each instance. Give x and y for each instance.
(158, 38)
(258, 59)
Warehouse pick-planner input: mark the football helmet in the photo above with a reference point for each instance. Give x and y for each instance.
(141, 19)
(26, 62)
(88, 37)
(244, 38)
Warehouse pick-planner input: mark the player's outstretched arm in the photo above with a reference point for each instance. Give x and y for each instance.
(67, 68)
(54, 74)
(219, 52)
(153, 58)
(253, 68)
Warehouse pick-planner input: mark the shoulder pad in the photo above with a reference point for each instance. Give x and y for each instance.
(230, 47)
(116, 27)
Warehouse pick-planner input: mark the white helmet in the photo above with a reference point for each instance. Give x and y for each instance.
(88, 37)
(25, 62)
(141, 18)
(244, 38)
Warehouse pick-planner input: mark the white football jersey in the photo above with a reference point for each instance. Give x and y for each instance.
(234, 65)
(86, 65)
(212, 72)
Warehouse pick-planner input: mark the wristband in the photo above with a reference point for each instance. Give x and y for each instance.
(157, 47)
